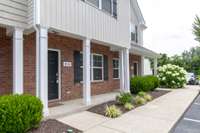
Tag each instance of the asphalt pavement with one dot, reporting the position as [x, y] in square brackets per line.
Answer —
[190, 122]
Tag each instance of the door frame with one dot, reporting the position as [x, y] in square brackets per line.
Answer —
[59, 73]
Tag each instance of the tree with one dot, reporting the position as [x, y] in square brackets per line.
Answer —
[196, 28]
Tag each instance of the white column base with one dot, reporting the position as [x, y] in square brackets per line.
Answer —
[18, 74]
[86, 72]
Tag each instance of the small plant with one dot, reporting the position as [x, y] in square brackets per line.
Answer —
[148, 97]
[139, 100]
[112, 111]
[128, 106]
[144, 95]
[124, 98]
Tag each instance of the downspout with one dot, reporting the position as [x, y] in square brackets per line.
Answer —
[36, 23]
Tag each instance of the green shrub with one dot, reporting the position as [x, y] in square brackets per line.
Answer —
[172, 76]
[144, 95]
[155, 82]
[128, 106]
[124, 98]
[139, 100]
[19, 113]
[143, 83]
[112, 111]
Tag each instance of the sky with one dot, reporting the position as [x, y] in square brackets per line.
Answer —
[169, 25]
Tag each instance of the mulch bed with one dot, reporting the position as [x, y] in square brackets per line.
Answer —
[100, 109]
[53, 126]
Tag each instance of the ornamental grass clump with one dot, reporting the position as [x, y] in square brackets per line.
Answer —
[145, 95]
[138, 100]
[128, 106]
[112, 111]
[172, 76]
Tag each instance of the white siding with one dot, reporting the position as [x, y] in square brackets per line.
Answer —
[13, 12]
[30, 12]
[80, 18]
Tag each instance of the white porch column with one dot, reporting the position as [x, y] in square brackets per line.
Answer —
[18, 61]
[42, 60]
[86, 72]
[121, 70]
[126, 70]
[142, 65]
[155, 65]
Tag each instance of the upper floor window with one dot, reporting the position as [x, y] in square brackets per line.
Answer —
[134, 34]
[109, 6]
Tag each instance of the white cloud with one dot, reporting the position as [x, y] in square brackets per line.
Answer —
[169, 24]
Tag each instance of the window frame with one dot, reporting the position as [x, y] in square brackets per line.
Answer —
[92, 67]
[100, 7]
[118, 68]
[97, 67]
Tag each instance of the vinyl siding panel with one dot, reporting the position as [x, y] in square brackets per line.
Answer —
[30, 12]
[13, 12]
[79, 18]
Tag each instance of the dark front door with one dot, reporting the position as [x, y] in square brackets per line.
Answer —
[53, 75]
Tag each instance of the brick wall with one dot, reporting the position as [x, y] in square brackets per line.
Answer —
[67, 46]
[5, 63]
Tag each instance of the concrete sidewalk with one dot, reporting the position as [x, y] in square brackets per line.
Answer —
[157, 116]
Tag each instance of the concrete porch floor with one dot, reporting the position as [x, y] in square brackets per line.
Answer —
[74, 106]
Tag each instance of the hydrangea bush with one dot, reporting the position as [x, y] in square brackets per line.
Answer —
[172, 76]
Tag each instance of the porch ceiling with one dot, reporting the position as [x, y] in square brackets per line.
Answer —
[140, 50]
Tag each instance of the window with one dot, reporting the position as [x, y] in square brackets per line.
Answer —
[134, 34]
[97, 67]
[109, 6]
[94, 2]
[116, 68]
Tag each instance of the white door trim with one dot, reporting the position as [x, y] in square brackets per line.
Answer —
[59, 73]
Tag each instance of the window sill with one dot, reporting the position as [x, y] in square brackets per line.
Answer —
[116, 78]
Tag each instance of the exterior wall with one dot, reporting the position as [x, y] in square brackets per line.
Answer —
[29, 64]
[13, 12]
[135, 58]
[5, 63]
[79, 18]
[30, 14]
[67, 46]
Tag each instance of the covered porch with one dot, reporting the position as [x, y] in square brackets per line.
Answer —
[29, 65]
[145, 53]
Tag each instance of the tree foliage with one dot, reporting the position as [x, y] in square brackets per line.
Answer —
[196, 28]
[189, 60]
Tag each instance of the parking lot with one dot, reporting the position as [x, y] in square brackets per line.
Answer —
[190, 122]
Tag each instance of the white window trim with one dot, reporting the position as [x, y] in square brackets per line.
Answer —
[116, 68]
[95, 67]
[92, 67]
